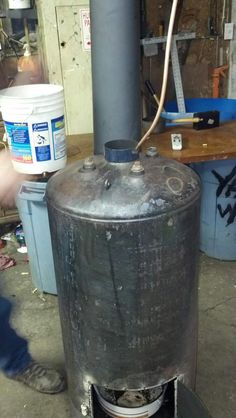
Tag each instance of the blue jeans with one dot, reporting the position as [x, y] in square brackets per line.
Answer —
[14, 354]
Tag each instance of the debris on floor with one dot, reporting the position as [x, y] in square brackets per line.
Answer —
[6, 262]
[16, 237]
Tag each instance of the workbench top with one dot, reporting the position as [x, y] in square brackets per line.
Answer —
[198, 146]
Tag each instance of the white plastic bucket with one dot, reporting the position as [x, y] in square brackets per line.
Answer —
[34, 122]
[115, 411]
[19, 4]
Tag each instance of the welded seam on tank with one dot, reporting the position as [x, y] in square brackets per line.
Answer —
[122, 322]
[191, 203]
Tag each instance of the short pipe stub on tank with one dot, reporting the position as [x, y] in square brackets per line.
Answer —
[121, 151]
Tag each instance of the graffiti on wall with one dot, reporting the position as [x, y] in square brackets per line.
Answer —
[227, 186]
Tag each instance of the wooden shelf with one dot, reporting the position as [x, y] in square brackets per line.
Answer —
[198, 146]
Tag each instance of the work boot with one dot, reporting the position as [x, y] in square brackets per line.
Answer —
[41, 378]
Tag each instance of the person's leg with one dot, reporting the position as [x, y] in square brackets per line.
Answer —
[16, 361]
[14, 354]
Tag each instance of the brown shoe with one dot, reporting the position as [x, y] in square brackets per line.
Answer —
[41, 378]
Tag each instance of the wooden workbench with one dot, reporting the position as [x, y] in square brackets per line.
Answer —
[213, 144]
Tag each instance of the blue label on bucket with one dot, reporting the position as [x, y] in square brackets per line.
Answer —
[41, 141]
[40, 127]
[19, 140]
[58, 134]
[43, 153]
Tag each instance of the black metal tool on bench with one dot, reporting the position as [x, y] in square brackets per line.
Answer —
[200, 120]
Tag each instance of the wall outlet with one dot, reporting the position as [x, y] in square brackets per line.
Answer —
[229, 31]
[176, 141]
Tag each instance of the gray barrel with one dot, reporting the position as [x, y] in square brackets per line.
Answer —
[125, 242]
[115, 31]
[33, 212]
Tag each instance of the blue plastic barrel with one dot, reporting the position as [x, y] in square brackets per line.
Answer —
[218, 209]
[34, 216]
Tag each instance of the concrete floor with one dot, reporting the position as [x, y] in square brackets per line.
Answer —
[38, 320]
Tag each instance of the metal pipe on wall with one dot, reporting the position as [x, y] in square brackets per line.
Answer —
[115, 31]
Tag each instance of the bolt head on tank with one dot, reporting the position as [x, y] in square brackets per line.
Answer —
[89, 164]
[137, 168]
[152, 152]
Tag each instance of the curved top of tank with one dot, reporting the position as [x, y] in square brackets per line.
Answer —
[111, 191]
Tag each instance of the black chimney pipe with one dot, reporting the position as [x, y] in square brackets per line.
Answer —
[115, 30]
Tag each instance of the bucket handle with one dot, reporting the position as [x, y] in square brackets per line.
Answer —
[29, 110]
[28, 193]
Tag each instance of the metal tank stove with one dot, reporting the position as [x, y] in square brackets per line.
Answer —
[125, 241]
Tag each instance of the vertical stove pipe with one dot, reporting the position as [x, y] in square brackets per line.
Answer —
[115, 31]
